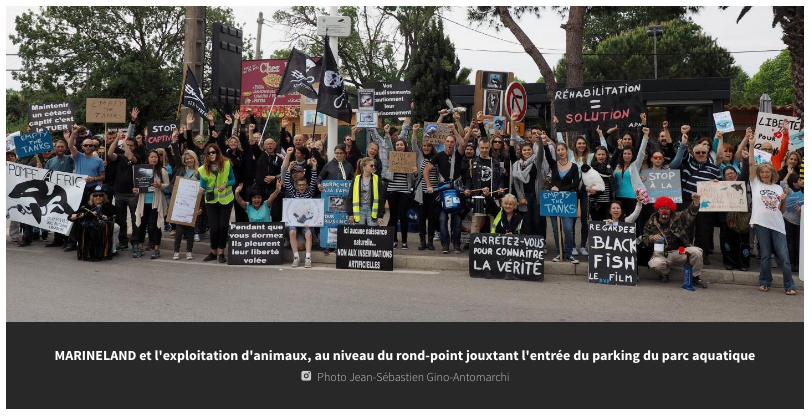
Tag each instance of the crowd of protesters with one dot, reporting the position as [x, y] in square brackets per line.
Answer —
[499, 176]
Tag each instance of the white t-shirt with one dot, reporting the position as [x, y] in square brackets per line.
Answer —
[766, 206]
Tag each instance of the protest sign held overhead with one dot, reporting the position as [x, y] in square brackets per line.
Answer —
[34, 143]
[723, 121]
[193, 95]
[762, 157]
[434, 133]
[365, 248]
[52, 116]
[392, 98]
[335, 212]
[564, 204]
[106, 111]
[722, 196]
[663, 183]
[512, 257]
[255, 243]
[366, 119]
[606, 104]
[10, 140]
[333, 99]
[612, 253]
[159, 134]
[768, 129]
[42, 198]
[797, 140]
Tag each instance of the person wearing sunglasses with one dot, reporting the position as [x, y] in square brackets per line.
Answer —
[85, 163]
[696, 167]
[216, 180]
[97, 208]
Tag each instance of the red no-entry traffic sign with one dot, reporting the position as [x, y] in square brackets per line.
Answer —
[516, 99]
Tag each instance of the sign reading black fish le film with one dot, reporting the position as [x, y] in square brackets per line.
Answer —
[612, 253]
[512, 257]
[255, 243]
[365, 248]
[607, 105]
[392, 98]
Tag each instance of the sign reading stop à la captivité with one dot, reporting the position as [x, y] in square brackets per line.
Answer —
[516, 100]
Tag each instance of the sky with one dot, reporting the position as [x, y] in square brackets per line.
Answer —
[475, 50]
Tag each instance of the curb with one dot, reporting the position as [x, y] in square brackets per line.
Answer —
[439, 262]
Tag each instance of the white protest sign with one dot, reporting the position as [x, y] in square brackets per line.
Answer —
[724, 122]
[768, 129]
[185, 202]
[303, 212]
[42, 198]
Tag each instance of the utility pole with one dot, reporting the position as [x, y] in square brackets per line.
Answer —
[332, 123]
[259, 35]
[656, 31]
[195, 41]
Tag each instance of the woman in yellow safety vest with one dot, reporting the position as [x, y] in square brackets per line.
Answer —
[216, 179]
[366, 204]
[507, 221]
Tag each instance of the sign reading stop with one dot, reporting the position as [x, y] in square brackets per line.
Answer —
[516, 100]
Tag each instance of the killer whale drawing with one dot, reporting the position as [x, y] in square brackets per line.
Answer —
[44, 202]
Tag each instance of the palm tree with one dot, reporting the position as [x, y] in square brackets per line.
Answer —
[791, 19]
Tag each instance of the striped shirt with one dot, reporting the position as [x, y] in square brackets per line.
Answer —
[693, 172]
[292, 192]
[434, 178]
[399, 183]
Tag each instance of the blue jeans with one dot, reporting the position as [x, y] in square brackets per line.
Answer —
[365, 212]
[568, 225]
[770, 240]
[456, 228]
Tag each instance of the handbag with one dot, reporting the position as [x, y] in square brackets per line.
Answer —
[739, 222]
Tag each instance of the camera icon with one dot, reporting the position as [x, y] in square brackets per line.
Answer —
[306, 376]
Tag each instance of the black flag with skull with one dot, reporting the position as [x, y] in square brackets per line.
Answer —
[333, 100]
[300, 74]
[193, 95]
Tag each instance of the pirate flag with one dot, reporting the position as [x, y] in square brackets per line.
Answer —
[193, 95]
[300, 74]
[333, 100]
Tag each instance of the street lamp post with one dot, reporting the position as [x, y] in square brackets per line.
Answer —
[655, 31]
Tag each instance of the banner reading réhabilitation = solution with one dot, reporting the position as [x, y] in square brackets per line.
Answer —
[608, 105]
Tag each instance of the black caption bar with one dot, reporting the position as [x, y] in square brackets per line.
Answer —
[401, 365]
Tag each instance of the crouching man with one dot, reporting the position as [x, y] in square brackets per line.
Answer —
[666, 230]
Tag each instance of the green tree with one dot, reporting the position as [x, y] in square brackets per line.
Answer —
[791, 19]
[683, 51]
[72, 53]
[605, 21]
[434, 68]
[738, 83]
[774, 77]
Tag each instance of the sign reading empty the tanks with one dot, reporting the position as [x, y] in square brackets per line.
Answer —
[607, 105]
[392, 98]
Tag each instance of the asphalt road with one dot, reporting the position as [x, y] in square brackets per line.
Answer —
[45, 284]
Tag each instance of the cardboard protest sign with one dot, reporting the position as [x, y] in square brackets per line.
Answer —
[159, 134]
[335, 212]
[402, 162]
[722, 196]
[34, 143]
[762, 157]
[768, 129]
[564, 204]
[392, 98]
[366, 120]
[365, 248]
[512, 257]
[797, 140]
[434, 133]
[255, 243]
[606, 104]
[106, 111]
[185, 202]
[42, 198]
[612, 253]
[303, 212]
[663, 183]
[724, 122]
[143, 177]
[51, 116]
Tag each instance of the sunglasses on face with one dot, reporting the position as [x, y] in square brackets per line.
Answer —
[212, 153]
[701, 152]
[98, 194]
[88, 145]
[497, 142]
[656, 158]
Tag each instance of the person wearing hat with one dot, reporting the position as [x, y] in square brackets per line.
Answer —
[97, 208]
[257, 211]
[666, 230]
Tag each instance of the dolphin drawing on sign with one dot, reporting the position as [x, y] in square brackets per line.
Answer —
[44, 202]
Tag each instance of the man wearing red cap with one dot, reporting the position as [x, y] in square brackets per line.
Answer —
[666, 230]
